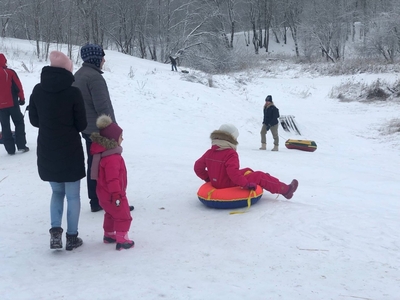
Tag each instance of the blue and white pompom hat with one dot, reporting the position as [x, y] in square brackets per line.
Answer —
[93, 54]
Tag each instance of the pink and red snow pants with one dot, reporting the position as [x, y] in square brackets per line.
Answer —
[267, 182]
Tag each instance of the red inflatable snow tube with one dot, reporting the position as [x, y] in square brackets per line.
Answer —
[234, 197]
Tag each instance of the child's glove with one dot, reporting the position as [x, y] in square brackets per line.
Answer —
[268, 127]
[21, 102]
[250, 186]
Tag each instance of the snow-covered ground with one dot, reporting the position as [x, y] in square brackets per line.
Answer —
[338, 238]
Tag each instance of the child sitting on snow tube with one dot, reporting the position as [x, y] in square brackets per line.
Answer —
[220, 166]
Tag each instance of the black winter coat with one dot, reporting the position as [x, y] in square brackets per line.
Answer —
[271, 115]
[58, 110]
[173, 60]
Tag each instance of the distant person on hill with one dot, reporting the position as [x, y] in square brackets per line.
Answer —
[57, 109]
[108, 168]
[11, 97]
[270, 122]
[173, 63]
[97, 102]
[220, 166]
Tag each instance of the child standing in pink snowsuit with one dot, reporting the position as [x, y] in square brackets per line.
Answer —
[109, 169]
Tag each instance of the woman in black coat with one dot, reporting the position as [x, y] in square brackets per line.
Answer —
[58, 110]
[270, 122]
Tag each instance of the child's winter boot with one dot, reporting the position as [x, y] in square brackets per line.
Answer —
[109, 237]
[73, 242]
[292, 187]
[123, 241]
[263, 146]
[56, 238]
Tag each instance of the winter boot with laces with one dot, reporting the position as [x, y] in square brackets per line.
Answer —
[56, 238]
[292, 187]
[73, 242]
[123, 241]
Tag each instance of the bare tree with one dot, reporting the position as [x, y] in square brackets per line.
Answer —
[384, 35]
[91, 20]
[264, 21]
[326, 23]
[170, 19]
[253, 15]
[7, 12]
[202, 32]
[36, 18]
[292, 11]
[232, 19]
[123, 21]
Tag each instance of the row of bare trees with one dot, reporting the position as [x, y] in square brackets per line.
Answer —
[205, 33]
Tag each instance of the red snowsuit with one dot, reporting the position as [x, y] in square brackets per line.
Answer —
[112, 180]
[221, 168]
[10, 85]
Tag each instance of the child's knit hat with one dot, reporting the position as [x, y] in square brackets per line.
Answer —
[231, 129]
[107, 128]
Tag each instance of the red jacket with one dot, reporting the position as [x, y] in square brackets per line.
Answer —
[10, 85]
[112, 176]
[221, 168]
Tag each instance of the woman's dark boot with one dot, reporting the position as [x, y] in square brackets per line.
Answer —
[56, 238]
[73, 242]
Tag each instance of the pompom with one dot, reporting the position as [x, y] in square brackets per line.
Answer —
[103, 121]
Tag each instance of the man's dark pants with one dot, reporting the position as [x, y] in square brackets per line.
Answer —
[91, 184]
[18, 119]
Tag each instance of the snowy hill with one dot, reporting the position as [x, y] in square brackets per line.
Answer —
[338, 238]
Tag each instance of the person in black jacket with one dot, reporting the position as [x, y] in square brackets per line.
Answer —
[173, 63]
[58, 110]
[270, 122]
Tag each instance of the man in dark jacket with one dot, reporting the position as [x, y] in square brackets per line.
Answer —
[173, 63]
[97, 102]
[11, 96]
[270, 122]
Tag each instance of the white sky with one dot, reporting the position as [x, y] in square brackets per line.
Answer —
[338, 238]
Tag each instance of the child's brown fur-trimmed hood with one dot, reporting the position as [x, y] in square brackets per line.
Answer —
[222, 135]
[103, 141]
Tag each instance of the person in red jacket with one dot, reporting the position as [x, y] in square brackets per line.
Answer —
[220, 166]
[108, 168]
[11, 96]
